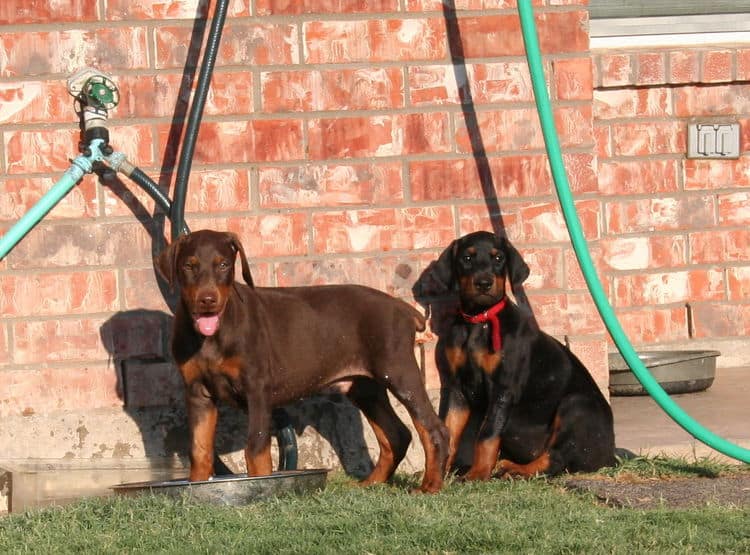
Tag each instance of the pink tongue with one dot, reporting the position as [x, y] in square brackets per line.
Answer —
[207, 325]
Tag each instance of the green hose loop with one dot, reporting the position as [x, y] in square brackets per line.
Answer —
[533, 57]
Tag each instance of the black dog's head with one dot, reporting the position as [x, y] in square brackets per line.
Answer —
[476, 266]
[202, 264]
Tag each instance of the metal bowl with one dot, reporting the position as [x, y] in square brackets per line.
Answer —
[676, 371]
[236, 489]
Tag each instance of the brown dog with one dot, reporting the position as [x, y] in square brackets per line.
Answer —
[262, 347]
[540, 409]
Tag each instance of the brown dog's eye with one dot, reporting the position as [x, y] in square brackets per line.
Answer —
[223, 266]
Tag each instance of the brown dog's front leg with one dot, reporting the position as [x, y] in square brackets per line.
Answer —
[202, 417]
[258, 450]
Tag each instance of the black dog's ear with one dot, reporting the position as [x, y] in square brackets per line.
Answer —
[438, 278]
[518, 270]
[166, 263]
[243, 259]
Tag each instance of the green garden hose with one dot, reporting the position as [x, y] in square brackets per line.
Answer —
[533, 57]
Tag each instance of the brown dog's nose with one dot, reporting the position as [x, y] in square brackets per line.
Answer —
[207, 300]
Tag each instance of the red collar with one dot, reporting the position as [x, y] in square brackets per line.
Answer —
[489, 315]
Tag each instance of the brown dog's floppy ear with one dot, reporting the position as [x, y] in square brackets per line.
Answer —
[243, 259]
[166, 263]
[438, 278]
[518, 270]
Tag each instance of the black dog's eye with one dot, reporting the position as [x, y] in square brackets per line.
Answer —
[466, 258]
[498, 258]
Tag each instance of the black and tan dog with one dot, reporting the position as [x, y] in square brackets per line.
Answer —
[262, 347]
[540, 410]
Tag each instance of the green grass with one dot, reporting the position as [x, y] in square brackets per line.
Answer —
[536, 516]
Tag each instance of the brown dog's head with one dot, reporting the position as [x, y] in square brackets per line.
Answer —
[476, 266]
[202, 264]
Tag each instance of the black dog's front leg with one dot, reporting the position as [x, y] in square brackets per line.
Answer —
[487, 446]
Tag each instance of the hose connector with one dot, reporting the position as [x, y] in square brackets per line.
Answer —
[95, 94]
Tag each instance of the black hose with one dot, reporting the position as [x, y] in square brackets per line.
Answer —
[177, 214]
[148, 185]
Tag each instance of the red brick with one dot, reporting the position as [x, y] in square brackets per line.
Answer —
[717, 66]
[142, 292]
[35, 102]
[743, 64]
[716, 100]
[214, 190]
[282, 234]
[376, 40]
[51, 150]
[644, 139]
[490, 83]
[561, 315]
[738, 283]
[669, 287]
[546, 266]
[437, 5]
[651, 68]
[393, 274]
[343, 89]
[242, 44]
[593, 353]
[63, 245]
[237, 142]
[715, 174]
[30, 53]
[721, 320]
[475, 217]
[48, 390]
[734, 208]
[387, 135]
[544, 222]
[659, 214]
[337, 7]
[603, 140]
[382, 230]
[643, 253]
[123, 10]
[573, 78]
[632, 103]
[574, 277]
[4, 352]
[40, 151]
[60, 340]
[15, 12]
[617, 70]
[331, 185]
[503, 130]
[500, 35]
[652, 325]
[512, 176]
[684, 66]
[638, 177]
[574, 125]
[52, 294]
[17, 196]
[719, 246]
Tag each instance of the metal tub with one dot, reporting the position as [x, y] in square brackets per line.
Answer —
[676, 371]
[237, 489]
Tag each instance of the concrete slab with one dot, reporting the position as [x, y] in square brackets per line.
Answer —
[724, 409]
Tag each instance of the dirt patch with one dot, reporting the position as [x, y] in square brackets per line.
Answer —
[687, 492]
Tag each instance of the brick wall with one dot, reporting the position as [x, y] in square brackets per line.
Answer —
[335, 142]
[342, 143]
[675, 245]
